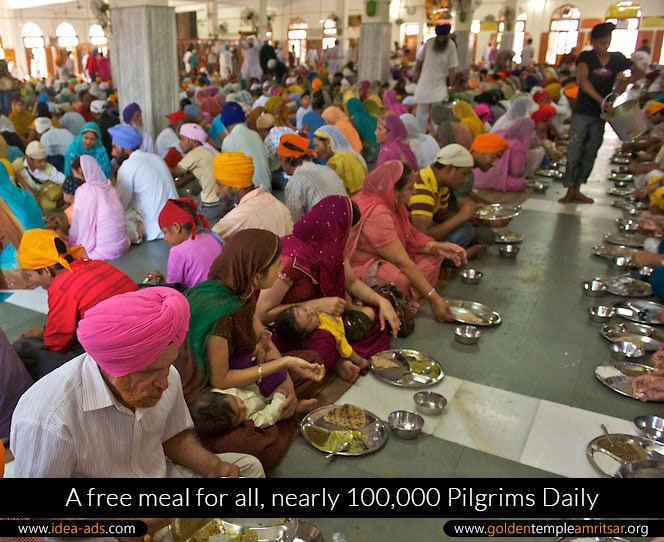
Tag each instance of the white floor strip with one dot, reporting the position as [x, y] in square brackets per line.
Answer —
[36, 300]
[542, 434]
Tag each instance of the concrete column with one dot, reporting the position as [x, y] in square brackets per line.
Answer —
[463, 17]
[144, 60]
[262, 19]
[507, 43]
[376, 44]
[212, 19]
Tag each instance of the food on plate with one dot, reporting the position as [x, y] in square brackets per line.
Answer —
[347, 416]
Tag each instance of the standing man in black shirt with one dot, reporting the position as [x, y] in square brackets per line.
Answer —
[597, 71]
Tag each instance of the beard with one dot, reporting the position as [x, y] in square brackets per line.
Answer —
[440, 46]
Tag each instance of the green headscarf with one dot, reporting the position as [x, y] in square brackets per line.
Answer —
[364, 123]
[208, 302]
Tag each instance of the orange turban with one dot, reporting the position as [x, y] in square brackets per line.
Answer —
[571, 90]
[37, 250]
[294, 146]
[316, 84]
[543, 114]
[234, 169]
[489, 144]
[653, 108]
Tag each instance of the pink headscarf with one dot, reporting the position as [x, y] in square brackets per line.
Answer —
[195, 132]
[483, 111]
[98, 217]
[391, 103]
[124, 341]
[396, 146]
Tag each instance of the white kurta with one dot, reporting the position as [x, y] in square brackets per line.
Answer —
[432, 85]
[251, 66]
[166, 139]
[144, 179]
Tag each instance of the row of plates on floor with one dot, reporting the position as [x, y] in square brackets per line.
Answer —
[349, 430]
[632, 327]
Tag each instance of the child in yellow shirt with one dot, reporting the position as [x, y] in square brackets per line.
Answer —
[296, 323]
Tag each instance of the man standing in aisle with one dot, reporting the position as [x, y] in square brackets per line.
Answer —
[436, 65]
[527, 54]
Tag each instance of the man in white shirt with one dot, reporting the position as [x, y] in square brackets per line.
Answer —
[527, 54]
[436, 67]
[35, 174]
[312, 58]
[118, 410]
[254, 208]
[169, 137]
[55, 140]
[251, 66]
[143, 179]
[242, 139]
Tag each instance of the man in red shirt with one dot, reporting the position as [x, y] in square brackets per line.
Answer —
[74, 285]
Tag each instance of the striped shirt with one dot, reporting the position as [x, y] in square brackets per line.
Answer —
[70, 425]
[428, 197]
[71, 294]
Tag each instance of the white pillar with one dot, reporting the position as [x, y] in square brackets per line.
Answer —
[212, 19]
[262, 19]
[376, 44]
[507, 42]
[463, 18]
[144, 59]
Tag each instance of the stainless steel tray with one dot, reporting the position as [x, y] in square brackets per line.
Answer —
[510, 237]
[634, 240]
[620, 192]
[626, 449]
[609, 252]
[619, 374]
[626, 286]
[645, 337]
[639, 311]
[554, 173]
[475, 314]
[622, 176]
[647, 468]
[498, 211]
[317, 432]
[231, 529]
[619, 160]
[628, 204]
[414, 369]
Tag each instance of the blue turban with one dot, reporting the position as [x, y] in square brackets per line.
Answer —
[192, 111]
[126, 136]
[128, 112]
[232, 114]
[443, 29]
[42, 98]
[660, 97]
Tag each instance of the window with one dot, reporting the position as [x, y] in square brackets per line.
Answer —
[33, 41]
[519, 37]
[66, 34]
[475, 26]
[97, 35]
[564, 32]
[624, 37]
[329, 33]
[297, 40]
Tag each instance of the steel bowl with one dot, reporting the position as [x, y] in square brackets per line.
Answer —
[626, 351]
[467, 334]
[429, 402]
[540, 187]
[652, 426]
[621, 262]
[508, 251]
[627, 224]
[631, 212]
[620, 184]
[594, 288]
[405, 424]
[601, 313]
[471, 276]
[644, 272]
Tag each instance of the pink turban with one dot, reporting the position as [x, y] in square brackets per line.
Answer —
[127, 332]
[195, 132]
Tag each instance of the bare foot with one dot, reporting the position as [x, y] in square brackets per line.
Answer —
[583, 199]
[304, 406]
[570, 197]
[476, 251]
[347, 370]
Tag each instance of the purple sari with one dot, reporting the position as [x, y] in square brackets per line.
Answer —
[396, 146]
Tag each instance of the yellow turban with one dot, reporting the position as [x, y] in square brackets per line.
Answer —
[553, 90]
[37, 250]
[234, 169]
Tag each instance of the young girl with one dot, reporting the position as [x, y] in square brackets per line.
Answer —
[193, 246]
[296, 323]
